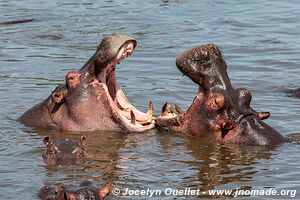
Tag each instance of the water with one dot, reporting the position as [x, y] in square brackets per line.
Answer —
[261, 44]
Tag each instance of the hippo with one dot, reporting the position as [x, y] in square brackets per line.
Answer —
[296, 93]
[63, 152]
[20, 21]
[86, 191]
[91, 99]
[218, 111]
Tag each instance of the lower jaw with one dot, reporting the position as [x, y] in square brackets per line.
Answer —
[123, 107]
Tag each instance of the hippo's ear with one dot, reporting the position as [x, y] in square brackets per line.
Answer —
[60, 192]
[44, 192]
[82, 140]
[105, 190]
[70, 196]
[59, 93]
[47, 140]
[58, 188]
[58, 97]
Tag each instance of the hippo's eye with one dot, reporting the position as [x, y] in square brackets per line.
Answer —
[81, 154]
[51, 152]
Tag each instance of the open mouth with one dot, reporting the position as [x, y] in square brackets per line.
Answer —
[130, 114]
[171, 112]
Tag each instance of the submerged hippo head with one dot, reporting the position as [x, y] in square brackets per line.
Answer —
[91, 99]
[86, 191]
[218, 110]
[296, 92]
[63, 152]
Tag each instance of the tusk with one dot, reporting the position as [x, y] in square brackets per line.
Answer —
[144, 123]
[168, 111]
[178, 109]
[150, 110]
[165, 109]
[173, 110]
[132, 116]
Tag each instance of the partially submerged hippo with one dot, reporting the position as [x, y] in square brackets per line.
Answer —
[86, 191]
[219, 110]
[91, 99]
[20, 21]
[63, 152]
[296, 93]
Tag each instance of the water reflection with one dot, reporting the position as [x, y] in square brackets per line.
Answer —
[35, 56]
[220, 165]
[101, 164]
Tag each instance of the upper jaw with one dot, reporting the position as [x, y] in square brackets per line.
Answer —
[132, 118]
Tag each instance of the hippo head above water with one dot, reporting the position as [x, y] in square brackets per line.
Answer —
[63, 152]
[91, 99]
[219, 110]
[86, 191]
[296, 93]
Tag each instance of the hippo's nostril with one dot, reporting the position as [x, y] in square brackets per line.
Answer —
[224, 132]
[215, 101]
[226, 127]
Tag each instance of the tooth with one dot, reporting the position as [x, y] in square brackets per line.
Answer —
[147, 122]
[173, 110]
[150, 110]
[165, 109]
[132, 116]
[178, 109]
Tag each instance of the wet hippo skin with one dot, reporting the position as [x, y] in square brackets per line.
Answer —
[21, 21]
[63, 152]
[86, 191]
[91, 99]
[218, 111]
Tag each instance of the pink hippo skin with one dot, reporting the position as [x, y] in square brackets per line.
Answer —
[91, 99]
[218, 111]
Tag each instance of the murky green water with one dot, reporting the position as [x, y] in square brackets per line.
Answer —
[261, 44]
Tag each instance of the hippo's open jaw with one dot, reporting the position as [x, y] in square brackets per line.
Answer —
[91, 98]
[118, 100]
[218, 110]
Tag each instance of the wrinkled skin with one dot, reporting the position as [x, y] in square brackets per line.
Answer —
[218, 111]
[63, 152]
[91, 99]
[86, 191]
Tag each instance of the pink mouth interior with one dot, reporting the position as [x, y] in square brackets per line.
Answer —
[120, 99]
